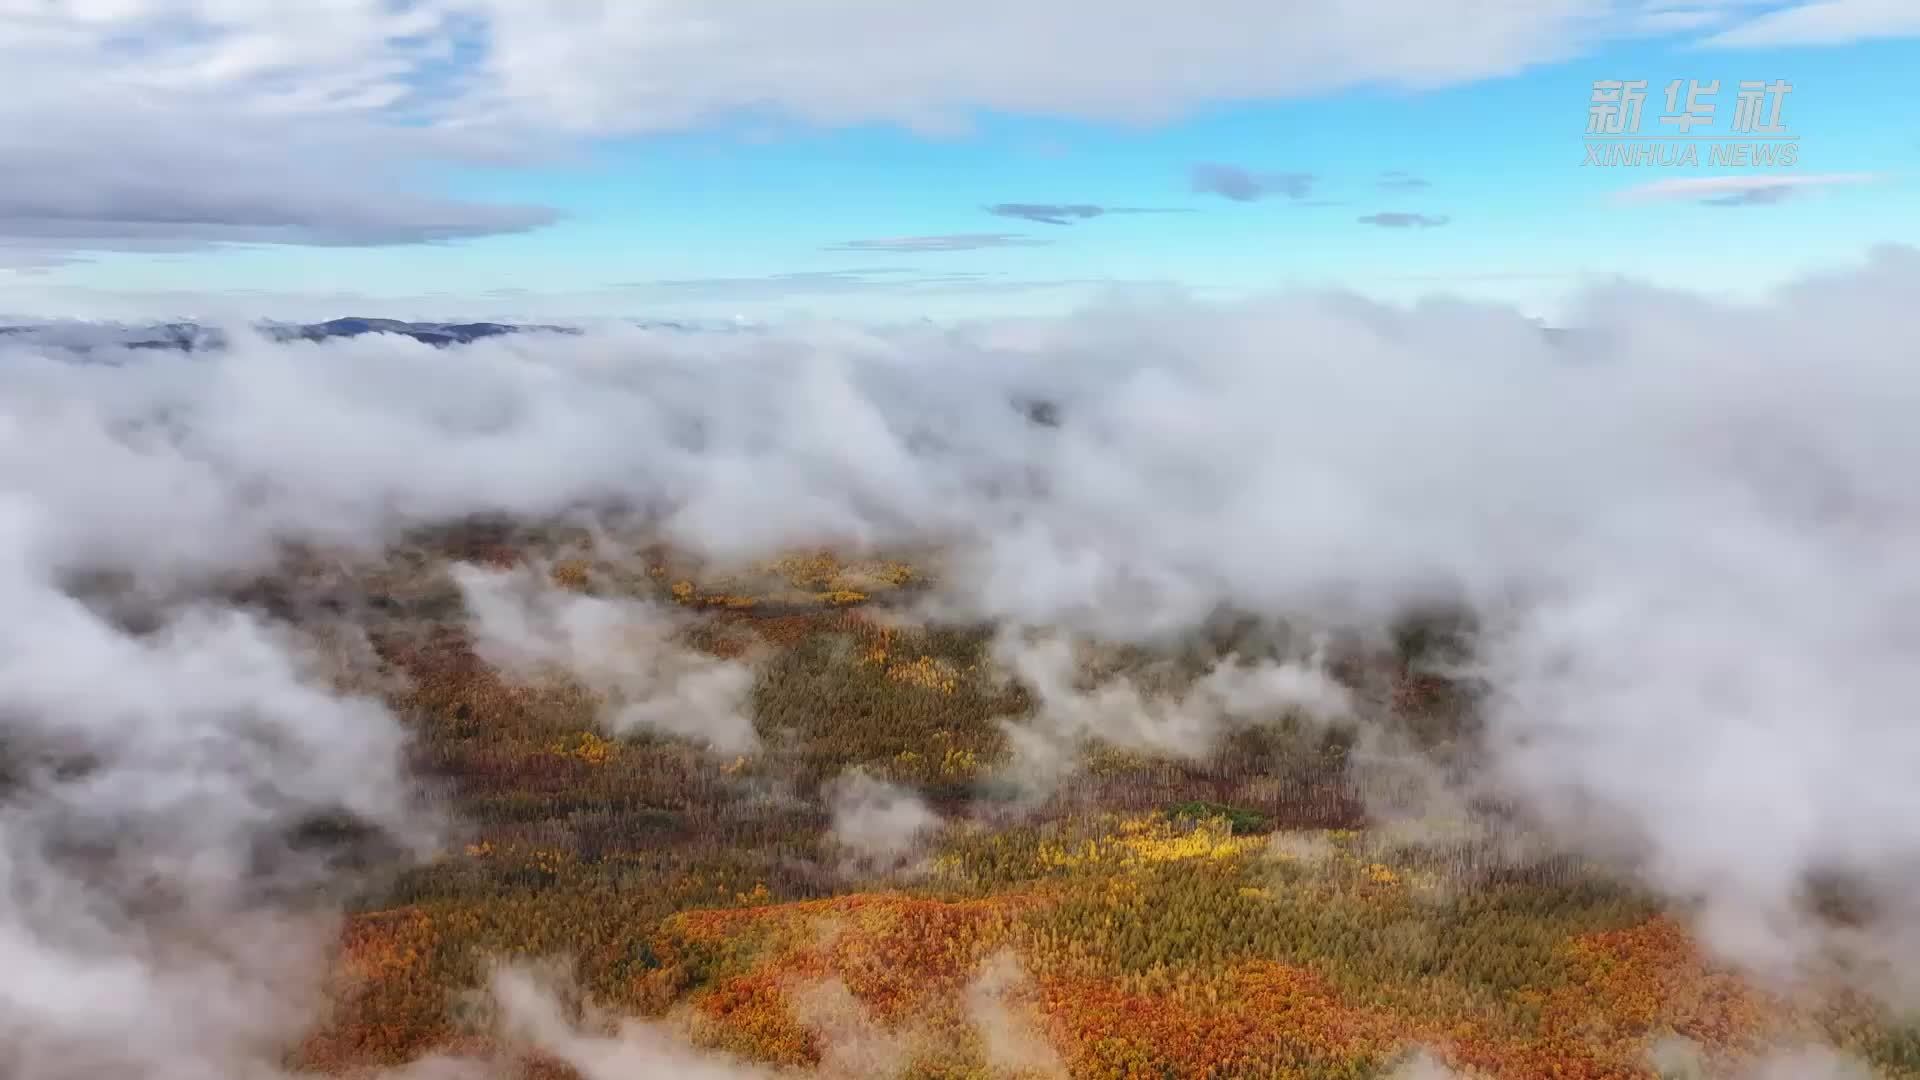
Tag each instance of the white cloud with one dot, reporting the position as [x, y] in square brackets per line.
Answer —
[1000, 1006]
[1189, 723]
[530, 1014]
[1810, 1063]
[881, 824]
[159, 912]
[166, 124]
[671, 62]
[598, 66]
[1424, 1066]
[624, 652]
[1824, 22]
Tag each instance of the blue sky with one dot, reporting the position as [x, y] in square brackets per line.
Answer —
[754, 212]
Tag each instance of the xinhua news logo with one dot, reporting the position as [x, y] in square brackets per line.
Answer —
[1755, 135]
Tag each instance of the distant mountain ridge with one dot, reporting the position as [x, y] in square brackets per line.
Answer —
[429, 333]
[193, 337]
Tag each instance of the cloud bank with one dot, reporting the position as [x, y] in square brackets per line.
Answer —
[1685, 527]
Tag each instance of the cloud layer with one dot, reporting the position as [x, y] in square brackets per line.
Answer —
[1686, 528]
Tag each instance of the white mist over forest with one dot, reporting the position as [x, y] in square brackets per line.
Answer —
[1687, 531]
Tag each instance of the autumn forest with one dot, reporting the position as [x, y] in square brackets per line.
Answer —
[785, 819]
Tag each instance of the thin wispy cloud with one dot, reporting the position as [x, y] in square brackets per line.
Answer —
[1068, 213]
[869, 279]
[1246, 185]
[1679, 20]
[1760, 196]
[1740, 190]
[949, 242]
[1401, 180]
[1402, 219]
[1483, 276]
[21, 256]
